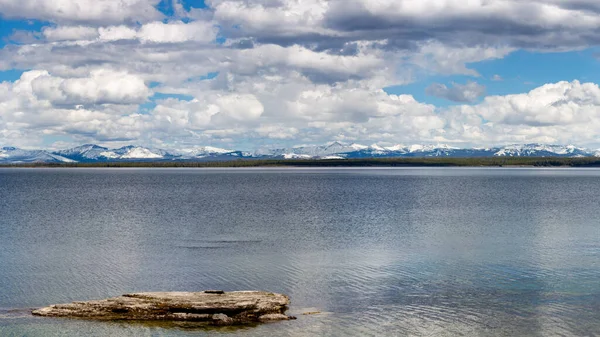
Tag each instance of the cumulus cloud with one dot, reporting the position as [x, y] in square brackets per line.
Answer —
[447, 60]
[207, 112]
[100, 106]
[239, 107]
[561, 103]
[178, 32]
[100, 87]
[65, 33]
[277, 131]
[465, 93]
[320, 67]
[563, 112]
[299, 71]
[152, 32]
[90, 11]
[116, 33]
[529, 24]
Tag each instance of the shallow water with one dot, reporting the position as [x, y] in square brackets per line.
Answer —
[378, 251]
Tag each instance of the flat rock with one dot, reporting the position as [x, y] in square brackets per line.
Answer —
[210, 307]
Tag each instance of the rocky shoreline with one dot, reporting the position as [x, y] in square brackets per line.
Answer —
[210, 307]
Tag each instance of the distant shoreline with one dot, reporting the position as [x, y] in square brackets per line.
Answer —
[366, 162]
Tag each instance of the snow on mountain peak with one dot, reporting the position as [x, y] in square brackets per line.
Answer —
[108, 154]
[397, 148]
[540, 149]
[359, 147]
[296, 156]
[15, 155]
[212, 149]
[205, 150]
[87, 151]
[140, 153]
[416, 148]
[95, 153]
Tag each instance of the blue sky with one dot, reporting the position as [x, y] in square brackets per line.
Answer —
[258, 73]
[521, 71]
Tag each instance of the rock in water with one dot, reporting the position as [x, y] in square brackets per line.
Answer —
[210, 307]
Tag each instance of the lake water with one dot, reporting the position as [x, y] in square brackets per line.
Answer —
[507, 252]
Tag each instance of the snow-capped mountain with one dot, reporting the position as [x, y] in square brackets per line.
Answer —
[12, 155]
[203, 152]
[540, 150]
[337, 149]
[334, 150]
[95, 153]
[313, 151]
[138, 152]
[86, 152]
[420, 150]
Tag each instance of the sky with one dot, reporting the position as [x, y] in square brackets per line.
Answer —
[251, 74]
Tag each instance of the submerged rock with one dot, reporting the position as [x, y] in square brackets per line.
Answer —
[210, 307]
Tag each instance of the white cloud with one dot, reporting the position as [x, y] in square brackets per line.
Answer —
[91, 11]
[208, 111]
[116, 33]
[152, 32]
[239, 107]
[65, 33]
[448, 60]
[543, 24]
[279, 17]
[563, 112]
[302, 112]
[158, 32]
[277, 131]
[291, 70]
[319, 66]
[465, 93]
[561, 103]
[38, 105]
[100, 87]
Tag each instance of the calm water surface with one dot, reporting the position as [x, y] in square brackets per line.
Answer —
[491, 252]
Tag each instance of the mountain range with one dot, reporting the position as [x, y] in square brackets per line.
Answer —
[91, 153]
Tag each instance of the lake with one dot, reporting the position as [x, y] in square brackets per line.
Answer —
[379, 252]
